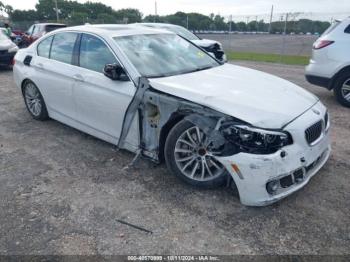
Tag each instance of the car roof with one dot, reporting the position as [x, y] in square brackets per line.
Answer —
[50, 24]
[158, 25]
[114, 30]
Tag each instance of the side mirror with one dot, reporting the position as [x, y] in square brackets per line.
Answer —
[115, 72]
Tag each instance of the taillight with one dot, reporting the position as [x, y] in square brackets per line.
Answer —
[322, 43]
[13, 61]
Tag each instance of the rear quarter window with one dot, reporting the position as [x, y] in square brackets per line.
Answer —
[347, 30]
[44, 47]
[62, 47]
[331, 28]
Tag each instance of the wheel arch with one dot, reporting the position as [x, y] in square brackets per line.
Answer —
[25, 80]
[337, 75]
[165, 130]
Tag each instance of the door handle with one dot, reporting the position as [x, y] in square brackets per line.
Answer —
[78, 78]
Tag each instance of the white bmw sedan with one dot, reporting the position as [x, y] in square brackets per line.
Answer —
[158, 95]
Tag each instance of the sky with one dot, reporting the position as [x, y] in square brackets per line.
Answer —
[222, 7]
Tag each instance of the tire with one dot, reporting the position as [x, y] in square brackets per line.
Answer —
[34, 101]
[182, 143]
[342, 89]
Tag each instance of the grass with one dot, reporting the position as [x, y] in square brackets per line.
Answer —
[272, 58]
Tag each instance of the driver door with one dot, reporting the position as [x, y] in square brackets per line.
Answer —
[100, 102]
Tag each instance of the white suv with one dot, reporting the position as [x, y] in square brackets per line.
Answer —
[330, 63]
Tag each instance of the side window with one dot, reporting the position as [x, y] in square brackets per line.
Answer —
[94, 54]
[347, 30]
[62, 47]
[44, 47]
[36, 30]
[30, 30]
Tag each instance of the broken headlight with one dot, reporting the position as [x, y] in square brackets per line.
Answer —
[256, 140]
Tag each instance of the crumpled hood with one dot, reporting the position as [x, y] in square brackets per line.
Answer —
[204, 42]
[6, 44]
[258, 98]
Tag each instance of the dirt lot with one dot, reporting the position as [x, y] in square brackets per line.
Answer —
[61, 192]
[270, 44]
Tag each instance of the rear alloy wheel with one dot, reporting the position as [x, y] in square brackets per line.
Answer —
[342, 90]
[189, 156]
[34, 101]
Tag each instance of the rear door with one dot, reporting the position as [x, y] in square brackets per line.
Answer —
[55, 73]
[101, 102]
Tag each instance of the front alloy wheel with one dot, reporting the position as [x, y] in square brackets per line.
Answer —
[189, 156]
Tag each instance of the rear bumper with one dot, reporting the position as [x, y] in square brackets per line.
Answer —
[319, 81]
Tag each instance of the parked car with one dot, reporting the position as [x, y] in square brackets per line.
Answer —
[15, 37]
[8, 50]
[211, 46]
[38, 30]
[330, 62]
[158, 95]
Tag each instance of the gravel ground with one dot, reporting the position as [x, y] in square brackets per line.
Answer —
[62, 191]
[267, 44]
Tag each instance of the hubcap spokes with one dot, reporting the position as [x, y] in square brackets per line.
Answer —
[346, 90]
[32, 97]
[194, 158]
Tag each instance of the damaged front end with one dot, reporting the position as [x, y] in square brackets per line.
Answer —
[253, 157]
[158, 112]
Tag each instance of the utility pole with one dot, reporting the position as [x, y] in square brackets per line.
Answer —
[230, 23]
[284, 37]
[187, 21]
[285, 24]
[256, 24]
[270, 25]
[56, 8]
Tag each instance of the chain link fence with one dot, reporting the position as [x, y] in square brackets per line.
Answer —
[284, 34]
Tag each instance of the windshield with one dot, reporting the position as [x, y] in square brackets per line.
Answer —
[160, 55]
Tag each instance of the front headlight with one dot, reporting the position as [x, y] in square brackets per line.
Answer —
[256, 140]
[13, 49]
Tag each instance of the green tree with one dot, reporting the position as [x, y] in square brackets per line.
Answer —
[96, 9]
[129, 15]
[241, 26]
[77, 18]
[154, 19]
[24, 15]
[232, 25]
[219, 22]
[252, 26]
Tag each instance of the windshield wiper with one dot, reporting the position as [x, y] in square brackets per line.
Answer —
[179, 73]
[157, 76]
[198, 69]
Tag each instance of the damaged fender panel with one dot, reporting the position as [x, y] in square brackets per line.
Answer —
[156, 109]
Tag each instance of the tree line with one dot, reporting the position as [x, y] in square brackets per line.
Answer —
[74, 13]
